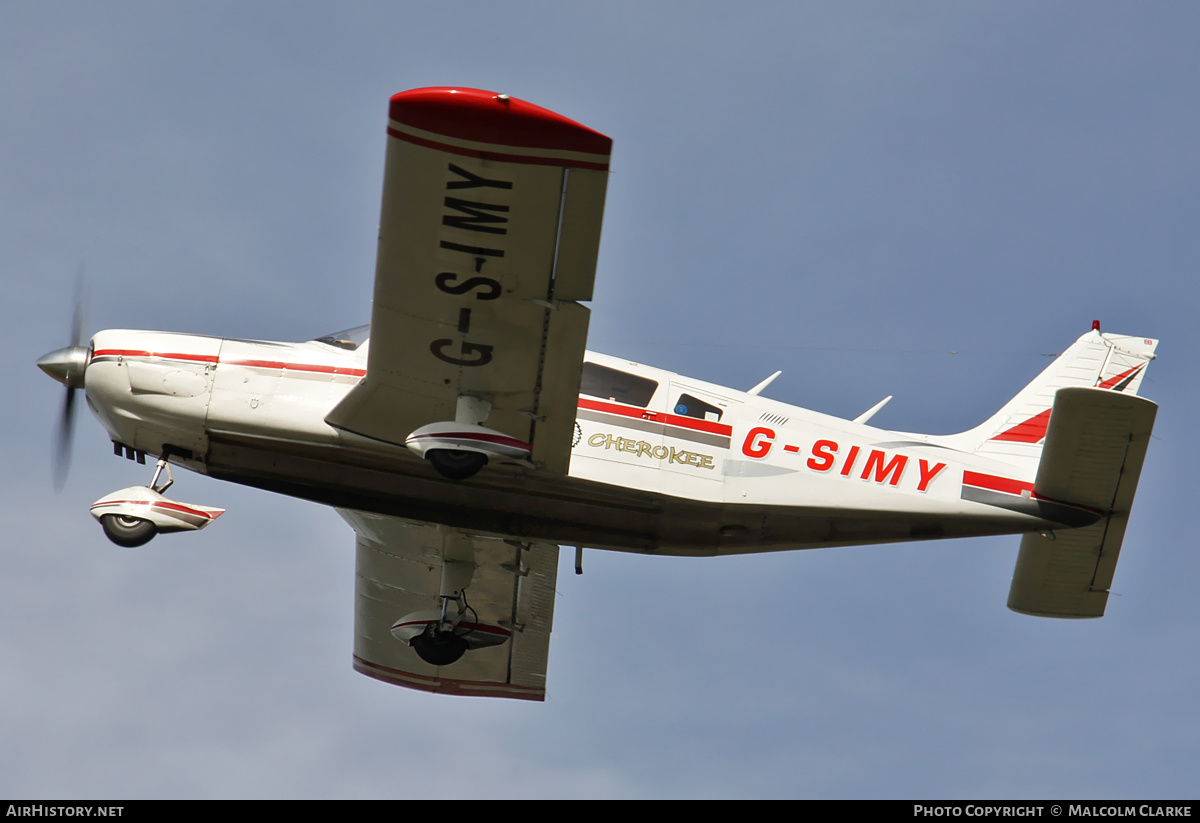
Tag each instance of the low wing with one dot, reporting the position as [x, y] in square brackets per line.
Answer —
[398, 572]
[488, 239]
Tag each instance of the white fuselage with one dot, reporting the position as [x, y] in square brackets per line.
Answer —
[683, 467]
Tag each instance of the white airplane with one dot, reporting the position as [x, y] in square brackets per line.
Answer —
[466, 434]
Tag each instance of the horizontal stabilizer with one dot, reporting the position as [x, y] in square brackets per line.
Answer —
[1095, 445]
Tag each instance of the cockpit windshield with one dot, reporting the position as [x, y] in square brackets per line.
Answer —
[350, 339]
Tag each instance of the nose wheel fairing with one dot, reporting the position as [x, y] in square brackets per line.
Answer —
[130, 507]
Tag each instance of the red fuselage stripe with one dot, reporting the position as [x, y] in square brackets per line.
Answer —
[253, 364]
[283, 365]
[280, 364]
[1015, 487]
[657, 417]
[996, 484]
[191, 358]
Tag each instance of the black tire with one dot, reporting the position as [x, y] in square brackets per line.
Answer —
[454, 464]
[438, 648]
[128, 531]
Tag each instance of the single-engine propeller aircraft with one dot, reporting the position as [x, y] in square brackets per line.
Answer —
[466, 434]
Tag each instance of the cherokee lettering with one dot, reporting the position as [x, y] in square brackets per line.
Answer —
[640, 448]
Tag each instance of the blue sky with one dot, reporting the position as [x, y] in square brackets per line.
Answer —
[848, 192]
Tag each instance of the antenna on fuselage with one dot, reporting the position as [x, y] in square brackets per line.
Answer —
[764, 383]
[869, 413]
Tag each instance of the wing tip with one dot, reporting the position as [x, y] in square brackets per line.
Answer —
[475, 114]
[441, 685]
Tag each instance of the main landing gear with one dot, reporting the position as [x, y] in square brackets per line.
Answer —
[133, 516]
[441, 636]
[454, 464]
[458, 450]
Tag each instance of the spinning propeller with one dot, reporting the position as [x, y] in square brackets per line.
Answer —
[67, 366]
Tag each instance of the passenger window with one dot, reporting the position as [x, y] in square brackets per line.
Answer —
[688, 406]
[610, 384]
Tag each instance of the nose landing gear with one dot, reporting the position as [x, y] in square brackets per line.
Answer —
[133, 516]
[127, 531]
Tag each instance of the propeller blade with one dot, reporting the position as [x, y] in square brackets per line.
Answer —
[62, 441]
[79, 310]
[67, 366]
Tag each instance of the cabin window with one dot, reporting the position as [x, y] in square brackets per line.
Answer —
[688, 406]
[618, 386]
[350, 339]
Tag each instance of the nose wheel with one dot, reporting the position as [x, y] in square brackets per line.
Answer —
[132, 517]
[126, 531]
[131, 532]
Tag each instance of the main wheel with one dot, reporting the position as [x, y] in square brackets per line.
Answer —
[454, 464]
[128, 531]
[438, 648]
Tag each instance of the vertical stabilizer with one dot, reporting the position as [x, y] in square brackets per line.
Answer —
[1017, 432]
